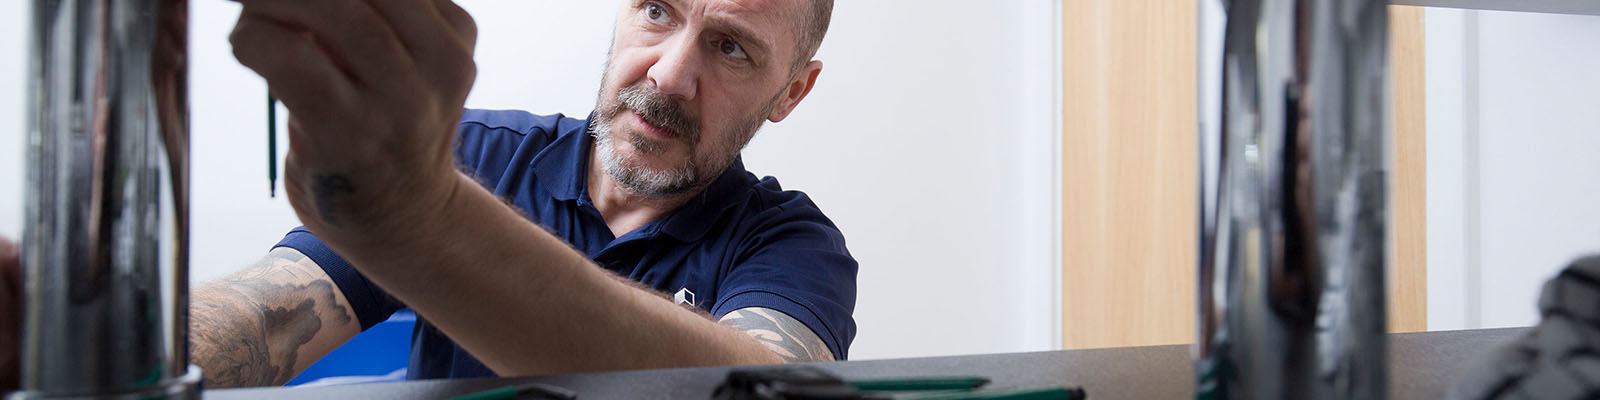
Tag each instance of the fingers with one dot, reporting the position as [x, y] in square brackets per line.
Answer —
[298, 71]
[421, 27]
[389, 47]
[467, 33]
[10, 312]
[459, 20]
[10, 260]
[359, 41]
[438, 35]
[10, 274]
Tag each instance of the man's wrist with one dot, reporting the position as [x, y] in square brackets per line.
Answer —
[344, 212]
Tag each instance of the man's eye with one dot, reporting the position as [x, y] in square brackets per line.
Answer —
[655, 12]
[732, 49]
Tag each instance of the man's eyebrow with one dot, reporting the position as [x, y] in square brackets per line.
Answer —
[745, 36]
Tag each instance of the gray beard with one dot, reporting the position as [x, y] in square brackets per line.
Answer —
[662, 183]
[639, 180]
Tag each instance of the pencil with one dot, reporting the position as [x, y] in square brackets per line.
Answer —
[272, 145]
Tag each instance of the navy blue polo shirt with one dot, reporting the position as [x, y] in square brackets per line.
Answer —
[743, 242]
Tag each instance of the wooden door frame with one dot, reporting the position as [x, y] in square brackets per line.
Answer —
[1128, 182]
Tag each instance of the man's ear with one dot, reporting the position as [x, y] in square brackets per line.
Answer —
[796, 91]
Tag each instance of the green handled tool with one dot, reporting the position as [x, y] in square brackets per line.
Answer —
[272, 145]
[540, 390]
[920, 384]
[1039, 393]
[958, 388]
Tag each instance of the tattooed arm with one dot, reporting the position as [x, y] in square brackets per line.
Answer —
[263, 325]
[785, 336]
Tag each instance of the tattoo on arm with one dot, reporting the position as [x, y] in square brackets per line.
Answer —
[248, 329]
[324, 189]
[790, 339]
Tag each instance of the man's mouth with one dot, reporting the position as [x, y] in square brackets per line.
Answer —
[652, 129]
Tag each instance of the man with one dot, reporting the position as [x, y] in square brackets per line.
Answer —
[533, 244]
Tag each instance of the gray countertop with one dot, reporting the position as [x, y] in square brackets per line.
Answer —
[1423, 366]
[1575, 7]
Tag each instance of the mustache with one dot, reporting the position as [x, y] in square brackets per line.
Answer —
[660, 110]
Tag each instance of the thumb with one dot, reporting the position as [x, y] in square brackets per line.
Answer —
[10, 266]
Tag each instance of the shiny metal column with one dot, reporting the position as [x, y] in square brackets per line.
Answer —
[105, 245]
[1294, 205]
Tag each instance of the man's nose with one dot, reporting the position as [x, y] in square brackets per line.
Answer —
[677, 71]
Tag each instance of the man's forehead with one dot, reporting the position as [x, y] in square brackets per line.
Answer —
[763, 24]
[767, 8]
[755, 13]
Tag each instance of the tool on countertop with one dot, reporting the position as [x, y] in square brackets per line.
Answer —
[529, 390]
[811, 383]
[920, 384]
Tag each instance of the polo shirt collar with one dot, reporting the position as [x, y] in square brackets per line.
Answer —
[694, 218]
[562, 171]
[560, 168]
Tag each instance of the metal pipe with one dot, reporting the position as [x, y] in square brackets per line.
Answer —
[1294, 205]
[105, 244]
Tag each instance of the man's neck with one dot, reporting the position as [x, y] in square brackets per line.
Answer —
[623, 210]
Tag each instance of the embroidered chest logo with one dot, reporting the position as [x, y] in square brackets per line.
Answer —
[684, 296]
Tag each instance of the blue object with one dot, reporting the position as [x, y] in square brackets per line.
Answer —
[379, 350]
[743, 242]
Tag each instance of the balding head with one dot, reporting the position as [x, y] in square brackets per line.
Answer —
[813, 26]
[689, 82]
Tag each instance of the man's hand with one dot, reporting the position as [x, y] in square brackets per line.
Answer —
[374, 89]
[10, 313]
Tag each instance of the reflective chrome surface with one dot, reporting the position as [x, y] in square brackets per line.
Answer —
[1294, 204]
[105, 242]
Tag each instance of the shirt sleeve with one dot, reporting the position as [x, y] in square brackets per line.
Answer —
[799, 267]
[490, 142]
[371, 304]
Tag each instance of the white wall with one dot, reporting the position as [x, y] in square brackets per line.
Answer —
[13, 56]
[922, 141]
[1513, 160]
[928, 142]
[1446, 166]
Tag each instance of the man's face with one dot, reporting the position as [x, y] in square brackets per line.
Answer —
[687, 85]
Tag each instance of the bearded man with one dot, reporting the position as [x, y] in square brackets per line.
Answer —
[532, 244]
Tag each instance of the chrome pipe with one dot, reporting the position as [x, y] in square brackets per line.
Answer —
[1294, 204]
[105, 242]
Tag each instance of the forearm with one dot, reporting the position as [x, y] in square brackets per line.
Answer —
[230, 344]
[524, 302]
[263, 325]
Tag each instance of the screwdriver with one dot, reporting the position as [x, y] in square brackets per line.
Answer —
[272, 145]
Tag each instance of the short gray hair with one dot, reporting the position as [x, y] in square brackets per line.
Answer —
[813, 26]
